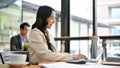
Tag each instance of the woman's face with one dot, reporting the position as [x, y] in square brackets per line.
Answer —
[51, 19]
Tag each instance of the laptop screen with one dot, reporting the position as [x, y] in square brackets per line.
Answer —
[97, 58]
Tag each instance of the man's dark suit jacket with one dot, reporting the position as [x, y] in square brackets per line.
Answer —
[16, 43]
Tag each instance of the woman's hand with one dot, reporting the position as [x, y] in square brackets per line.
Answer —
[79, 56]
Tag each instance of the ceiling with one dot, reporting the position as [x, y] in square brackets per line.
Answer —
[6, 3]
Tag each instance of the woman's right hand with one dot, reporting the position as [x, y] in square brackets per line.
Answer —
[79, 56]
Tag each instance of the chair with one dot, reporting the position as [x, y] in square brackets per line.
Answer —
[5, 55]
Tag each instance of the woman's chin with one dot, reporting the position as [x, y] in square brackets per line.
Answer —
[49, 27]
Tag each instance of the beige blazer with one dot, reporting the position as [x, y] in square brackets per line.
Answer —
[39, 51]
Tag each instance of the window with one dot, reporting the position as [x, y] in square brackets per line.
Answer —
[80, 20]
[114, 12]
[10, 18]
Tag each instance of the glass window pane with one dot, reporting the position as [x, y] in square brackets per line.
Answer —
[80, 21]
[114, 12]
[10, 18]
[110, 18]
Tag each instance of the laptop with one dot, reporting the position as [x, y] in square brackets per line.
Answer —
[83, 61]
[111, 60]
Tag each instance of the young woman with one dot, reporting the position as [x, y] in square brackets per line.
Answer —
[41, 43]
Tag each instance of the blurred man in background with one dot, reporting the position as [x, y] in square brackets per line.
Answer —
[17, 42]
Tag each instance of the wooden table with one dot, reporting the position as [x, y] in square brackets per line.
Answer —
[22, 66]
[19, 66]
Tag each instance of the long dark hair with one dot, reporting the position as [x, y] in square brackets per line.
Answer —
[41, 23]
[41, 18]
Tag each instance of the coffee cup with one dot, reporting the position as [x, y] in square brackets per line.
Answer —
[17, 58]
